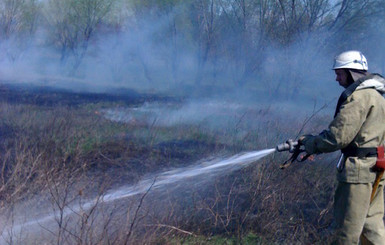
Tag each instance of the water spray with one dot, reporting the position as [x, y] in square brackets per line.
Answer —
[207, 168]
[212, 168]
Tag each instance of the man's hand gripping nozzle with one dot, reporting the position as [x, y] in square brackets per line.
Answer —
[294, 147]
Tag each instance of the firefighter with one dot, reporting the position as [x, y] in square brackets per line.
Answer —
[358, 129]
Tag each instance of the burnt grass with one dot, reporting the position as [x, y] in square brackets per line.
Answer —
[122, 150]
[65, 136]
[51, 96]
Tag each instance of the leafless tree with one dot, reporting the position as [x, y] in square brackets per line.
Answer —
[17, 16]
[72, 24]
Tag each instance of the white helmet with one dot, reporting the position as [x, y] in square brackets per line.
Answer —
[350, 60]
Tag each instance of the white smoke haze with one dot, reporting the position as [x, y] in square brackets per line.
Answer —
[294, 78]
[140, 58]
[210, 113]
[161, 114]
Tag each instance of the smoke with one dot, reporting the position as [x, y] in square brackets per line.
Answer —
[213, 114]
[157, 54]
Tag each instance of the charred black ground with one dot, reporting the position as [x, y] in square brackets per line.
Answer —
[53, 96]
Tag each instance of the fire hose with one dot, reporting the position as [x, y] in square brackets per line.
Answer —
[295, 147]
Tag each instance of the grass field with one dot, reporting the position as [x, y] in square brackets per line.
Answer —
[62, 153]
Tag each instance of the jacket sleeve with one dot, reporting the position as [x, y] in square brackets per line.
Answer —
[343, 129]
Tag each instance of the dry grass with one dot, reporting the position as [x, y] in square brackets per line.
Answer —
[66, 155]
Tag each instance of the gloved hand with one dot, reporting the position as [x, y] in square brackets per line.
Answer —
[308, 141]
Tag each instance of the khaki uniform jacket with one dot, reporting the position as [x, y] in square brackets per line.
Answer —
[360, 122]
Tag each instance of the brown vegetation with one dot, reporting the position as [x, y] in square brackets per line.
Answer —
[59, 158]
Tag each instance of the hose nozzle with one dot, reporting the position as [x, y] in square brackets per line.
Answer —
[290, 145]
